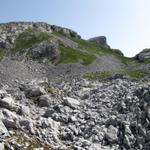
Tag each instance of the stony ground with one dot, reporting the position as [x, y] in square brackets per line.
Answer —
[75, 114]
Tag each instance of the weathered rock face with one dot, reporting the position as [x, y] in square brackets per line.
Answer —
[100, 40]
[10, 31]
[144, 55]
[44, 51]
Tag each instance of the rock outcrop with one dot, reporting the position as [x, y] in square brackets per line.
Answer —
[44, 51]
[10, 31]
[100, 40]
[144, 55]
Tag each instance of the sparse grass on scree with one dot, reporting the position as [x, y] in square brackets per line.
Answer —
[69, 55]
[106, 74]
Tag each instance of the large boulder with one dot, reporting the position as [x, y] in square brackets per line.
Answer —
[3, 45]
[144, 55]
[44, 100]
[100, 40]
[6, 101]
[71, 102]
[112, 134]
[34, 91]
[44, 51]
[3, 130]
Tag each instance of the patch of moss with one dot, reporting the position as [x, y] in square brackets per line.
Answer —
[147, 61]
[28, 38]
[70, 55]
[106, 74]
[35, 98]
[50, 90]
[3, 52]
[134, 73]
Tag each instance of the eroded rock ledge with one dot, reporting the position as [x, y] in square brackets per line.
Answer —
[10, 31]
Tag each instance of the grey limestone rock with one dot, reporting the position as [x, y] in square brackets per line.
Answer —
[45, 100]
[3, 131]
[144, 55]
[100, 40]
[6, 101]
[10, 31]
[71, 102]
[2, 146]
[44, 51]
[112, 134]
[34, 91]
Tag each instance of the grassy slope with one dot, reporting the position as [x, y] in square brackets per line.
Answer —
[85, 54]
[3, 52]
[106, 74]
[69, 55]
[100, 50]
[93, 48]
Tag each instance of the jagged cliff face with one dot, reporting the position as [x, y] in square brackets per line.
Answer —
[10, 31]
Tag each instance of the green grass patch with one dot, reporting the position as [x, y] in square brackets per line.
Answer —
[51, 90]
[106, 74]
[34, 98]
[146, 61]
[59, 33]
[69, 55]
[93, 48]
[89, 46]
[101, 50]
[28, 38]
[3, 53]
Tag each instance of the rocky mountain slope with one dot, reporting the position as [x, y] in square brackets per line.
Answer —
[61, 92]
[34, 49]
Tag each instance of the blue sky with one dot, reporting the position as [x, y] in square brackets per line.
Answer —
[125, 23]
